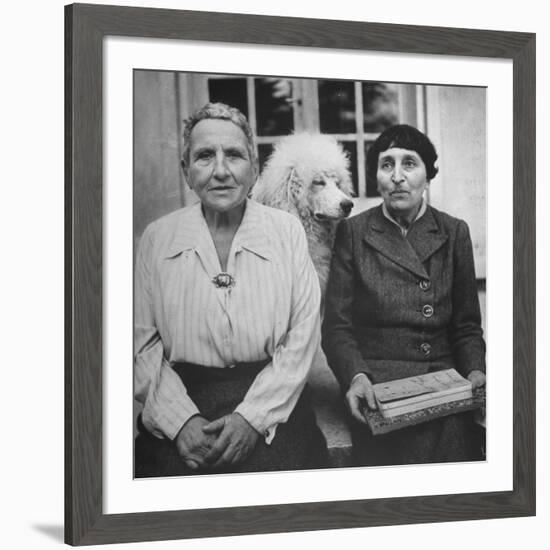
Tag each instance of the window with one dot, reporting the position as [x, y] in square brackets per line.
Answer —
[354, 112]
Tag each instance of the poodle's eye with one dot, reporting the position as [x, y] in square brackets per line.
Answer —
[319, 182]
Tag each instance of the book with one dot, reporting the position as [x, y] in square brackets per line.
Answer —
[380, 425]
[413, 394]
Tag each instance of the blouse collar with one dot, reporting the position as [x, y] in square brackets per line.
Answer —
[192, 232]
[404, 230]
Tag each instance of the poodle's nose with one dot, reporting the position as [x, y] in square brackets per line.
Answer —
[346, 206]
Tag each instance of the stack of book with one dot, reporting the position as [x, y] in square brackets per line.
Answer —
[416, 393]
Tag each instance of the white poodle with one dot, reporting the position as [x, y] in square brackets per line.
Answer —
[308, 176]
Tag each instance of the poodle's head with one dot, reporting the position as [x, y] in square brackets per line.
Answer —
[311, 173]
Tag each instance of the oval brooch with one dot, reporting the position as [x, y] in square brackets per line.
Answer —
[223, 280]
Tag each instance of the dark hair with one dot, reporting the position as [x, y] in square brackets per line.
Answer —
[404, 137]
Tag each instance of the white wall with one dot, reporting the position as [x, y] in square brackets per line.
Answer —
[457, 126]
[32, 275]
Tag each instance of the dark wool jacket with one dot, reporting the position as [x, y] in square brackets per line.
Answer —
[402, 306]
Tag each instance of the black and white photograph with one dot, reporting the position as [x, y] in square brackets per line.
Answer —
[275, 275]
[309, 273]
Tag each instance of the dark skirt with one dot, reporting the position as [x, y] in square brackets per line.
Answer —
[454, 438]
[298, 444]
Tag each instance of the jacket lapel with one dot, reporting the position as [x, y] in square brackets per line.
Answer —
[426, 236]
[423, 239]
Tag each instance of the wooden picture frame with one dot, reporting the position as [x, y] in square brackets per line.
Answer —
[85, 28]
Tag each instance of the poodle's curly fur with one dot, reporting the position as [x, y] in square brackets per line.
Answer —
[308, 176]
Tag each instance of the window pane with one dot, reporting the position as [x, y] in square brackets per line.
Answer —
[264, 150]
[231, 91]
[336, 106]
[380, 106]
[274, 111]
[371, 182]
[351, 148]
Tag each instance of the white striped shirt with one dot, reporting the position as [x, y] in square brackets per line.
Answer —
[180, 316]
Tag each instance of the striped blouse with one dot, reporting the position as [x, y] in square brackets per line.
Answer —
[272, 311]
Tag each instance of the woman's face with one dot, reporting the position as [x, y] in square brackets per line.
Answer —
[402, 180]
[220, 169]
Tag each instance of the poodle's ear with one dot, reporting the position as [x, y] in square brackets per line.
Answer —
[291, 176]
[294, 184]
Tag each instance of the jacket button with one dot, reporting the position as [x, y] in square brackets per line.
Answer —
[425, 284]
[427, 310]
[426, 348]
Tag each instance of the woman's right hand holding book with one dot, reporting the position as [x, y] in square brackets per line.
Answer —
[360, 392]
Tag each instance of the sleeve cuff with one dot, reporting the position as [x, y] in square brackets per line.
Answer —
[361, 374]
[168, 421]
[267, 432]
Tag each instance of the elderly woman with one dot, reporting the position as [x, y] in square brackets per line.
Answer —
[226, 320]
[402, 301]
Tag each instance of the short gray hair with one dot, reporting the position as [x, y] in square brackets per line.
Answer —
[219, 111]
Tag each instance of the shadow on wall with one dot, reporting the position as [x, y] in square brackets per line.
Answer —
[55, 532]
